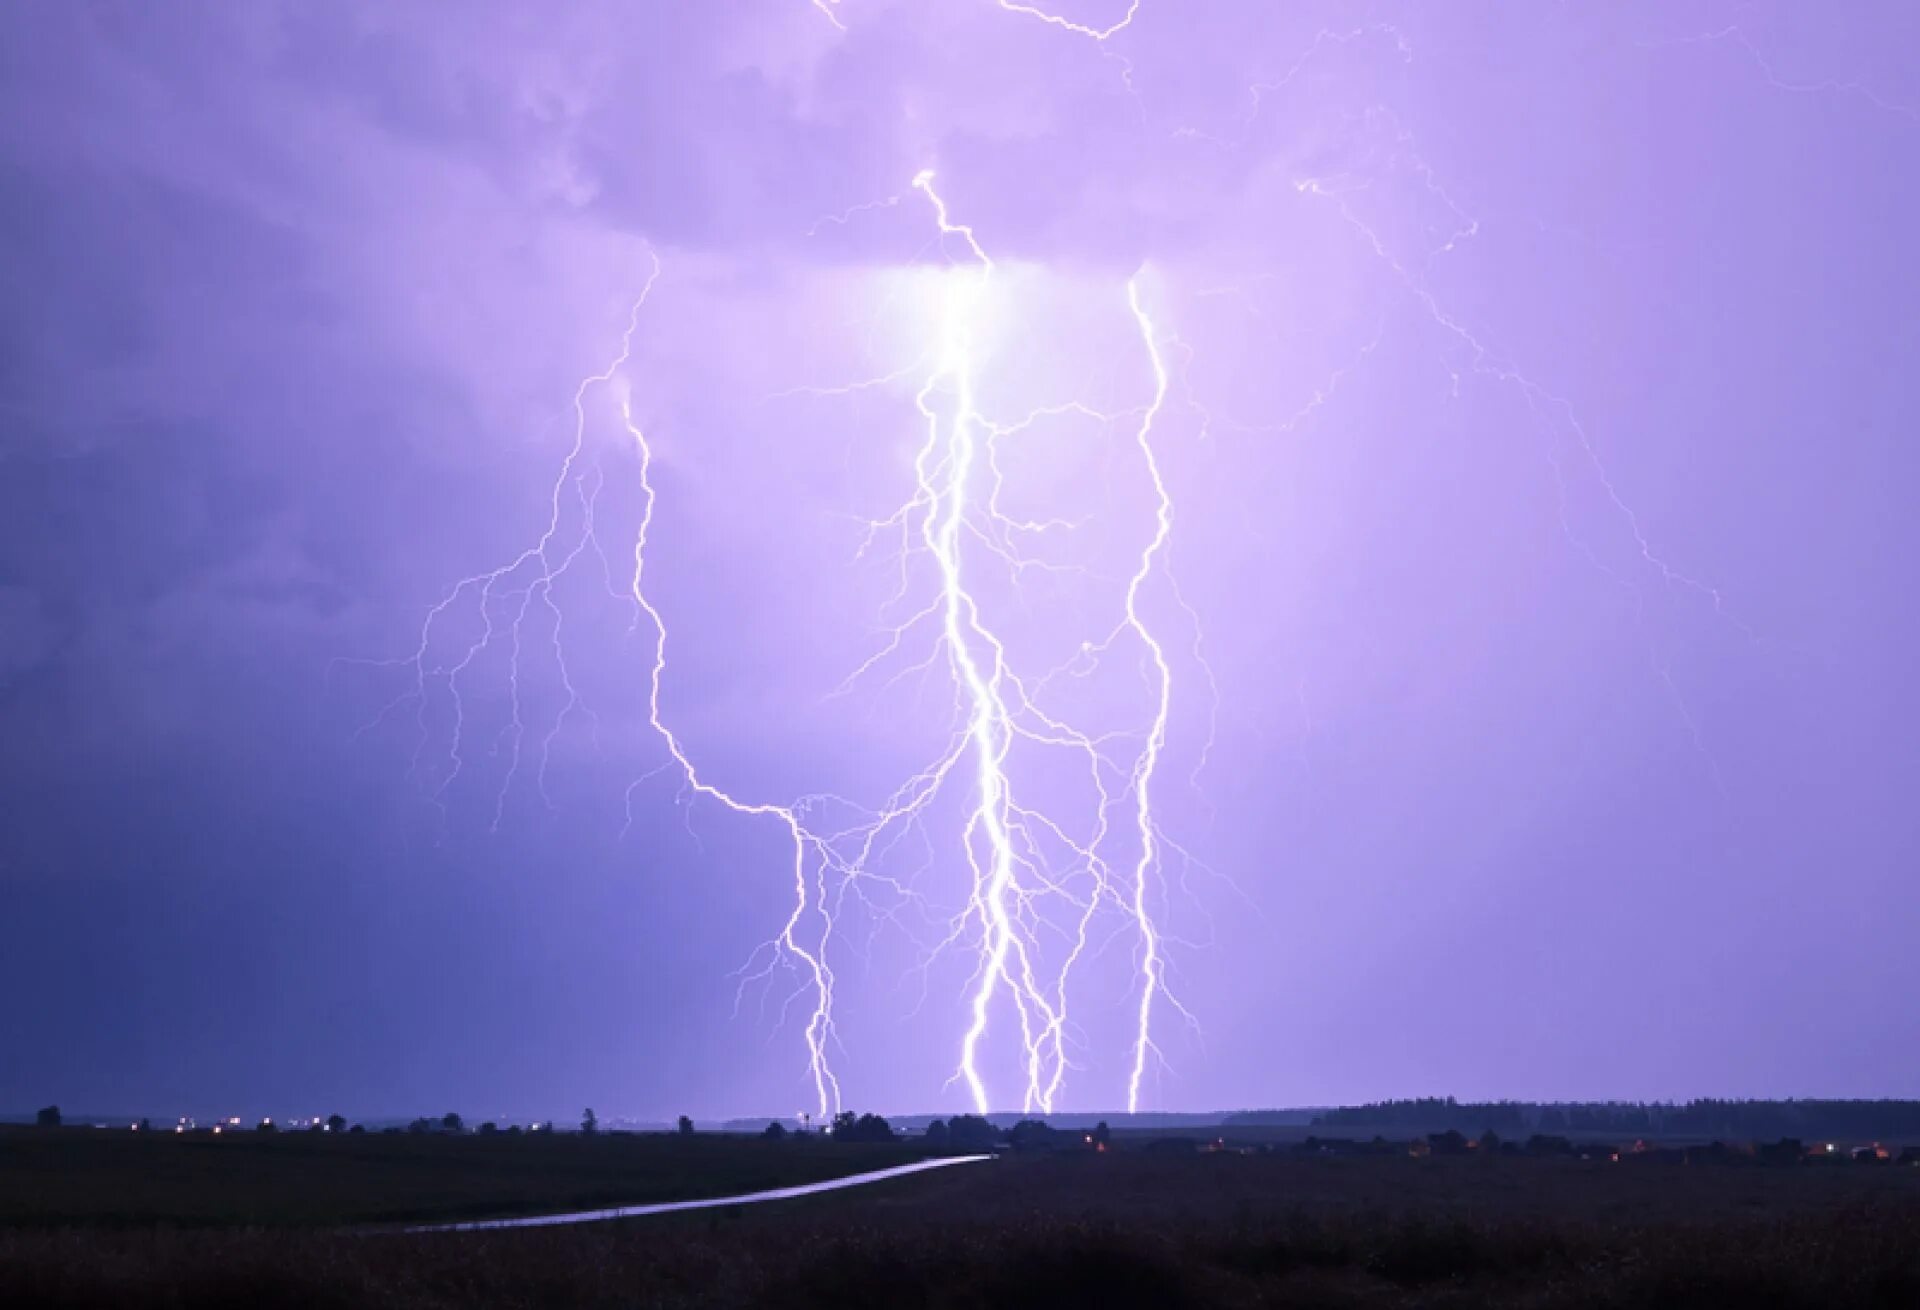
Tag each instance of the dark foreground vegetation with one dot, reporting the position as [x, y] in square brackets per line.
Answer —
[1115, 1229]
[125, 1179]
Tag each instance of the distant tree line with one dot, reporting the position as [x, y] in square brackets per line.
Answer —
[963, 1132]
[1750, 1120]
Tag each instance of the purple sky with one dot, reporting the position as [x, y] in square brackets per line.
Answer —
[1537, 435]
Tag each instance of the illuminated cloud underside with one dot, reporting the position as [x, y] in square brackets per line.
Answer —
[1038, 886]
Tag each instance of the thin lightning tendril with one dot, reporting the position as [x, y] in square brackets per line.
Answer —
[1078, 29]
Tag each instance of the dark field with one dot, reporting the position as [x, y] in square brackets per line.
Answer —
[1115, 1230]
[123, 1179]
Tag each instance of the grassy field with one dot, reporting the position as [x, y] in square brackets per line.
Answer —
[124, 1179]
[1117, 1230]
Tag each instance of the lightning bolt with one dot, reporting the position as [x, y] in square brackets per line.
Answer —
[1042, 889]
[1078, 29]
[808, 850]
[827, 7]
[1045, 892]
[1001, 708]
[1736, 35]
[1152, 966]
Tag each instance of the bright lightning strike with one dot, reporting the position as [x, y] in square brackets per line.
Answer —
[1000, 710]
[827, 7]
[1078, 29]
[1046, 888]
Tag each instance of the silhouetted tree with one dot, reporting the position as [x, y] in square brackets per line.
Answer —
[1788, 1150]
[146, 1125]
[589, 1122]
[686, 1126]
[1447, 1143]
[489, 1128]
[452, 1123]
[336, 1123]
[850, 1127]
[48, 1118]
[358, 1128]
[1102, 1134]
[1031, 1135]
[775, 1131]
[936, 1134]
[970, 1132]
[421, 1125]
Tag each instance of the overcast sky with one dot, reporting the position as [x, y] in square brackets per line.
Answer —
[1537, 602]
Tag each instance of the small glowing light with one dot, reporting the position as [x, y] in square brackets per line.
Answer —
[216, 1130]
